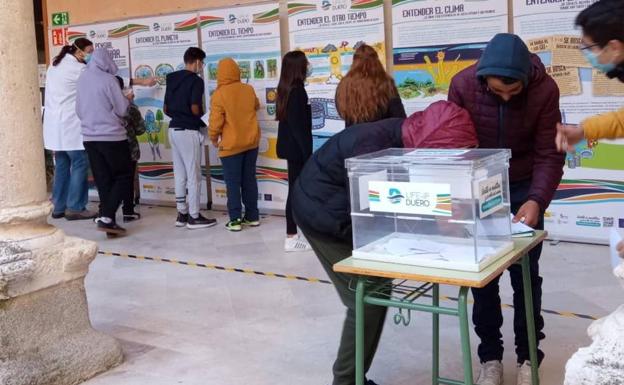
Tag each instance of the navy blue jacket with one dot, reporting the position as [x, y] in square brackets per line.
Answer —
[321, 194]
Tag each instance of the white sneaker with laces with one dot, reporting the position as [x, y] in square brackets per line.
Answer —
[491, 373]
[295, 244]
[524, 374]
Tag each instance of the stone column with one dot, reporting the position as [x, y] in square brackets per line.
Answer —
[601, 363]
[45, 333]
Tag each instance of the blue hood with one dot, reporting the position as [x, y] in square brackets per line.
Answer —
[506, 55]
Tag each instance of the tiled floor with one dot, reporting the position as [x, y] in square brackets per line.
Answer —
[188, 325]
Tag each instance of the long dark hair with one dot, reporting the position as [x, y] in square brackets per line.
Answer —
[80, 43]
[294, 70]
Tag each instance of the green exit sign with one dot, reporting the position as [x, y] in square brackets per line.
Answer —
[60, 18]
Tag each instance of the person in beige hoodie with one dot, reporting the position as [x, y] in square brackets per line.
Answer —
[234, 130]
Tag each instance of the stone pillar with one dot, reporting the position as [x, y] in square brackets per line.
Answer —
[601, 363]
[45, 333]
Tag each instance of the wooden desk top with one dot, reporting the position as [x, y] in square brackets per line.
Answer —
[442, 276]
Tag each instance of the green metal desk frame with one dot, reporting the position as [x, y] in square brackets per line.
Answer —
[370, 293]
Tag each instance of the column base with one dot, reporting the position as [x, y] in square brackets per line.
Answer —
[46, 338]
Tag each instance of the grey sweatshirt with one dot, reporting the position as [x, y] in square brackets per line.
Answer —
[100, 103]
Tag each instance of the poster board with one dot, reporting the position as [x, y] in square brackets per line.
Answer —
[251, 36]
[157, 46]
[329, 33]
[433, 40]
[590, 199]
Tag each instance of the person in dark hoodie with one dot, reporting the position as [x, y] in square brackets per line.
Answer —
[514, 104]
[323, 212]
[184, 100]
[101, 107]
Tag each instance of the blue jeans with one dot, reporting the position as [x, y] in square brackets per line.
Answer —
[239, 172]
[71, 189]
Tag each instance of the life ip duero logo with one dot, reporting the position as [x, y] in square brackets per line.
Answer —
[240, 19]
[411, 198]
[394, 196]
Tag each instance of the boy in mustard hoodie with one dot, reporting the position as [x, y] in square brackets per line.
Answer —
[234, 130]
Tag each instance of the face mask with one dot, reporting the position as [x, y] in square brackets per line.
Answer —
[87, 57]
[309, 70]
[592, 58]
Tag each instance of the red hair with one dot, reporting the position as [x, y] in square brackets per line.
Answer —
[364, 93]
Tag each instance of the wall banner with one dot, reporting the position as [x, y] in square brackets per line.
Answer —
[590, 199]
[329, 33]
[251, 36]
[433, 40]
[157, 46]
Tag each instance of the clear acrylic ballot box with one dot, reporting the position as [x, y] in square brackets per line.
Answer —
[435, 208]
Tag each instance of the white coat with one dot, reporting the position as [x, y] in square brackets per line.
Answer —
[61, 126]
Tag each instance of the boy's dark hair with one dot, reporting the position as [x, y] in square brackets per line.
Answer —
[193, 54]
[603, 21]
[121, 82]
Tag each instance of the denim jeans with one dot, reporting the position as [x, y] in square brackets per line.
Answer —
[239, 172]
[71, 189]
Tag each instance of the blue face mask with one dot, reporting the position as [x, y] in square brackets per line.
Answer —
[87, 58]
[592, 58]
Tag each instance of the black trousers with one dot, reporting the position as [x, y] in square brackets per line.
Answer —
[487, 313]
[128, 202]
[294, 170]
[112, 170]
[329, 253]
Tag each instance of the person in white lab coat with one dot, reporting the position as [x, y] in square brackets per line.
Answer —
[62, 132]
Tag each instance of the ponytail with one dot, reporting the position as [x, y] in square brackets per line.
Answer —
[68, 49]
[79, 44]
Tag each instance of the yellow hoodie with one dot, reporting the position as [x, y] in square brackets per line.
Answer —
[233, 109]
[605, 126]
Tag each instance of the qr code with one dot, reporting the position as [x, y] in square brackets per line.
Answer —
[607, 222]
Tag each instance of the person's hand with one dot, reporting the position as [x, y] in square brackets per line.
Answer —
[215, 142]
[146, 82]
[528, 214]
[620, 248]
[130, 95]
[567, 136]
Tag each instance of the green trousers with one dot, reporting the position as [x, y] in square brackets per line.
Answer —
[328, 254]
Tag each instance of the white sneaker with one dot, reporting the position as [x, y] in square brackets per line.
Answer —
[491, 373]
[524, 374]
[296, 244]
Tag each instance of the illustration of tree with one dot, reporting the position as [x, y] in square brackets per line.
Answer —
[152, 133]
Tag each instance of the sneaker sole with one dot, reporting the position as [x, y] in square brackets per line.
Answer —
[111, 231]
[251, 225]
[195, 227]
[180, 224]
[296, 250]
[72, 218]
[234, 230]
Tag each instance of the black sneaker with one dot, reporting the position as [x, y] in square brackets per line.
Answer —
[200, 222]
[182, 220]
[110, 228]
[58, 215]
[134, 216]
